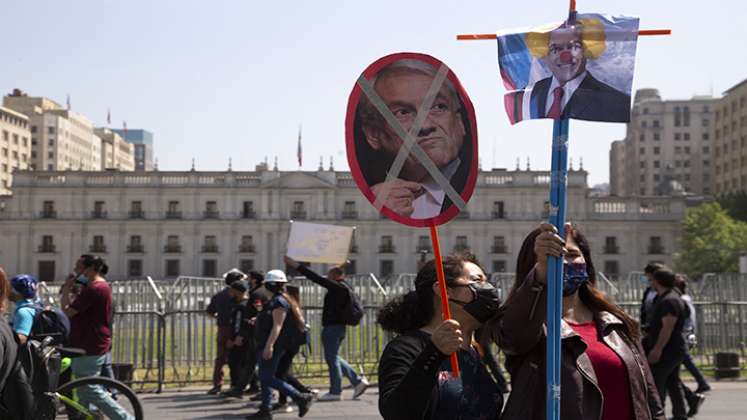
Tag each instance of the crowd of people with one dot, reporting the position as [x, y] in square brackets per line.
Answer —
[261, 328]
[612, 367]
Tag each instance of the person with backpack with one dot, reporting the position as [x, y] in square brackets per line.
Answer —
[90, 321]
[276, 329]
[16, 397]
[241, 355]
[341, 308]
[23, 293]
[221, 307]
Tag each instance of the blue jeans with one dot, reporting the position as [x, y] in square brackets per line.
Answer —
[94, 394]
[690, 366]
[267, 371]
[332, 336]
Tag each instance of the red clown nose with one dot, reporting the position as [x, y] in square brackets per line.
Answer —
[566, 57]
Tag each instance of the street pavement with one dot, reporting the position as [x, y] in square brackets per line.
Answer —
[727, 401]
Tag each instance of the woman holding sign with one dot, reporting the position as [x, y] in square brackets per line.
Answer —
[414, 371]
[604, 374]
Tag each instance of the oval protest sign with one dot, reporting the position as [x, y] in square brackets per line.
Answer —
[411, 139]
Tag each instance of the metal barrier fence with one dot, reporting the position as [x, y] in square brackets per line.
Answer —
[162, 331]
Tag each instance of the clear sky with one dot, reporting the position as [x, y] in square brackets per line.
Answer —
[219, 79]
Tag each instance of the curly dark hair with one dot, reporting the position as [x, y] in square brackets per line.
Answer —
[415, 309]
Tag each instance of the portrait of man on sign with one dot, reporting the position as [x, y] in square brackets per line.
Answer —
[580, 70]
[429, 107]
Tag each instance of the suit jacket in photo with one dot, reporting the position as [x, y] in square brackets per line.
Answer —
[592, 101]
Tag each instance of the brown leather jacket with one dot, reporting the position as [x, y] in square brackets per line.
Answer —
[520, 333]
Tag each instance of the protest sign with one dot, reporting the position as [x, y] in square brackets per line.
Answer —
[412, 139]
[317, 243]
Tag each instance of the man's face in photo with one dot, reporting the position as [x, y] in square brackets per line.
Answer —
[566, 54]
[442, 133]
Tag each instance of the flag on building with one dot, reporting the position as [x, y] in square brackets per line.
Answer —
[124, 126]
[108, 117]
[300, 151]
[68, 102]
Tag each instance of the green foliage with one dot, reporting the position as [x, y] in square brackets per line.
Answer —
[712, 241]
[735, 204]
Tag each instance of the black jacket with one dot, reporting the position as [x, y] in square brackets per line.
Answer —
[337, 297]
[592, 101]
[408, 378]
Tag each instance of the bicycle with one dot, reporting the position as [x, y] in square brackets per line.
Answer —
[63, 399]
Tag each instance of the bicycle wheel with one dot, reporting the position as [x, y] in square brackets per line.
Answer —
[121, 394]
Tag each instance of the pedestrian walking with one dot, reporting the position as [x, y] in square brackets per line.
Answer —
[336, 315]
[665, 344]
[277, 327]
[90, 329]
[694, 398]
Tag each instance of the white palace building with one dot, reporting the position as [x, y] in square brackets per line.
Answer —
[165, 224]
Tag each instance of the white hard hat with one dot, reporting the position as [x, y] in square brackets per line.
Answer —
[275, 276]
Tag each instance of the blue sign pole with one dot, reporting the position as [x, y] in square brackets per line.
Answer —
[558, 182]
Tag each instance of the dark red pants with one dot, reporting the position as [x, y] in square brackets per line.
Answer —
[221, 358]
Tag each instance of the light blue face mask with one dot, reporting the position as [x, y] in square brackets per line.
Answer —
[643, 279]
[82, 279]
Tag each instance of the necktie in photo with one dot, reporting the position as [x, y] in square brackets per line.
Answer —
[557, 103]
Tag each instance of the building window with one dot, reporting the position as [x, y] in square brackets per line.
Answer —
[99, 210]
[642, 137]
[656, 123]
[610, 245]
[386, 268]
[657, 137]
[211, 210]
[98, 245]
[247, 244]
[499, 245]
[299, 210]
[33, 129]
[173, 211]
[348, 210]
[387, 245]
[247, 210]
[424, 244]
[642, 151]
[461, 244]
[50, 130]
[656, 150]
[136, 210]
[210, 244]
[172, 268]
[46, 271]
[498, 210]
[499, 266]
[686, 136]
[209, 268]
[136, 244]
[246, 265]
[612, 269]
[676, 136]
[172, 244]
[47, 244]
[134, 268]
[48, 211]
[657, 164]
[655, 245]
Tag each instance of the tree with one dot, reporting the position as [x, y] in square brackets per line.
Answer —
[712, 241]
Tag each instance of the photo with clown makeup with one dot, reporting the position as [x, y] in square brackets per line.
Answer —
[582, 70]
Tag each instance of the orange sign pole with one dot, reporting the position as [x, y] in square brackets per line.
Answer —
[442, 288]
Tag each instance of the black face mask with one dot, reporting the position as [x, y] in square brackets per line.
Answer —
[485, 301]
